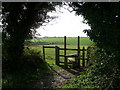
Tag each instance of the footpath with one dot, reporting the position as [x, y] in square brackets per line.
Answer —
[56, 80]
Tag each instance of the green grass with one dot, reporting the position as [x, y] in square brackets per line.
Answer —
[84, 41]
[82, 81]
[50, 52]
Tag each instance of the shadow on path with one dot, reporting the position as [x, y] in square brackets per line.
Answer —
[56, 79]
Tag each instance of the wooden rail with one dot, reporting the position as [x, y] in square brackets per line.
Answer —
[68, 49]
[49, 46]
[73, 49]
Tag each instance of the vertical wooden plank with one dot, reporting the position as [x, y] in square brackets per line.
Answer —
[78, 52]
[57, 55]
[64, 45]
[43, 52]
[65, 58]
[83, 63]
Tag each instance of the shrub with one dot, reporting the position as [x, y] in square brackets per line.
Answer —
[31, 58]
[105, 70]
[31, 67]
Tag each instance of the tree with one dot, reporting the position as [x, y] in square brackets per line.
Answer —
[103, 19]
[19, 23]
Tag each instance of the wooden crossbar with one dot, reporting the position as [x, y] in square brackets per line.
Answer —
[68, 49]
[49, 46]
[72, 55]
[73, 49]
[71, 59]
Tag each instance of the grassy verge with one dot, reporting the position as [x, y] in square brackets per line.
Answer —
[32, 68]
[84, 80]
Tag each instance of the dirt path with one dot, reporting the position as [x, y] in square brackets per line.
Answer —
[55, 80]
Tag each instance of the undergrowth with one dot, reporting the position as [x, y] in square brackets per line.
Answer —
[84, 80]
[32, 67]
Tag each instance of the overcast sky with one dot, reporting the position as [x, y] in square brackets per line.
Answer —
[67, 24]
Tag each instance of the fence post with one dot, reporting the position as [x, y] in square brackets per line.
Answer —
[57, 55]
[65, 58]
[83, 62]
[43, 52]
[78, 52]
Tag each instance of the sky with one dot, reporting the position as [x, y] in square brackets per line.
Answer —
[67, 24]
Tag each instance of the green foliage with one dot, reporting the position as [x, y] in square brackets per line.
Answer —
[31, 58]
[92, 54]
[20, 19]
[106, 70]
[103, 19]
[84, 80]
[32, 67]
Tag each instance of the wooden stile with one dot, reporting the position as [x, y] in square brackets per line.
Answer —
[77, 57]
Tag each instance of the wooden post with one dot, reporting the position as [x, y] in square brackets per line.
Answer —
[57, 55]
[43, 52]
[78, 52]
[65, 58]
[83, 63]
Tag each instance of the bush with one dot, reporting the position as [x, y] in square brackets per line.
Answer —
[105, 69]
[31, 59]
[84, 80]
[31, 67]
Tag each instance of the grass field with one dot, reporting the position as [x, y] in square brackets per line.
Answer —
[50, 52]
[70, 41]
